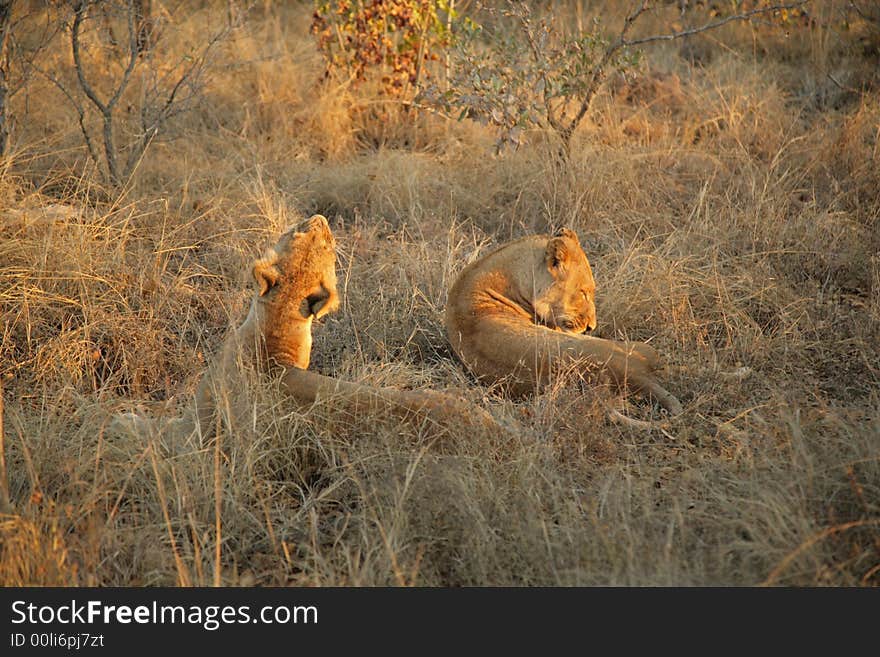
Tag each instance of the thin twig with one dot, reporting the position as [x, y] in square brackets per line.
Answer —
[599, 73]
[622, 42]
[80, 110]
[746, 15]
[172, 104]
[17, 58]
[538, 58]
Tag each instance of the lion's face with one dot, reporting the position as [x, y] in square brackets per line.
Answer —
[565, 289]
[296, 282]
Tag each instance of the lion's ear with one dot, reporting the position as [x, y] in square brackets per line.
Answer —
[265, 272]
[557, 253]
[567, 232]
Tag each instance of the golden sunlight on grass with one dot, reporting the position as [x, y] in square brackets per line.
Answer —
[727, 192]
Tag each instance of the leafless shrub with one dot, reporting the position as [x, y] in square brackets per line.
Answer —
[134, 105]
[5, 20]
[22, 39]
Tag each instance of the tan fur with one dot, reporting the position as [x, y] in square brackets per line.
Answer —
[516, 316]
[296, 282]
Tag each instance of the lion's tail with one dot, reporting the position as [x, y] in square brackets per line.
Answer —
[667, 399]
[411, 406]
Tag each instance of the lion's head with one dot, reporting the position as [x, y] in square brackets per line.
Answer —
[296, 281]
[565, 289]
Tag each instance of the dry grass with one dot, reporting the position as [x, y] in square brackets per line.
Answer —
[728, 198]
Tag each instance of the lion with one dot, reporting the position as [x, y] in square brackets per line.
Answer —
[295, 285]
[518, 316]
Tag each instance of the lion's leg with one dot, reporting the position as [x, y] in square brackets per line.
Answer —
[667, 400]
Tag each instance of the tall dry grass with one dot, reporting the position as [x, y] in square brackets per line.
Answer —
[728, 197]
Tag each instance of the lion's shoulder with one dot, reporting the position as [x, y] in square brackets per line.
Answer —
[540, 279]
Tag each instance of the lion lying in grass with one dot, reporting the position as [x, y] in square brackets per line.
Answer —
[296, 284]
[517, 316]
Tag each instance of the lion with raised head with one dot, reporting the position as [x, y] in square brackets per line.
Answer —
[296, 284]
[519, 314]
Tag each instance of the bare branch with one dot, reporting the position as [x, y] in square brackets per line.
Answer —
[79, 13]
[133, 51]
[628, 22]
[540, 61]
[623, 42]
[21, 57]
[172, 104]
[162, 95]
[5, 21]
[714, 24]
[864, 14]
[105, 110]
[599, 74]
[80, 110]
[143, 15]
